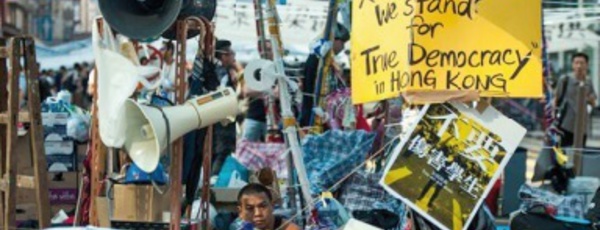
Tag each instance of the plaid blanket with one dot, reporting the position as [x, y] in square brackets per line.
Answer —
[258, 155]
[329, 157]
[572, 206]
[340, 110]
[362, 192]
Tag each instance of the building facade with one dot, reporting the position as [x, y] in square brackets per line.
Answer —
[567, 33]
[52, 22]
[17, 17]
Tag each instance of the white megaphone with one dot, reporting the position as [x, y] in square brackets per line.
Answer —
[146, 130]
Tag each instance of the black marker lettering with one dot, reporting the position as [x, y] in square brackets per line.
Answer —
[367, 53]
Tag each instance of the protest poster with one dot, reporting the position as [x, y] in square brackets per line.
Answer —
[446, 45]
[448, 160]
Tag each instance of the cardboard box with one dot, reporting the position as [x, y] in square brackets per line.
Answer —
[138, 203]
[63, 188]
[27, 211]
[226, 195]
[61, 196]
[103, 210]
[226, 199]
[67, 207]
[59, 147]
[60, 156]
[54, 119]
[61, 163]
[55, 126]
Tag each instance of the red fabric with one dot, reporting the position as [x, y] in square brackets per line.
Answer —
[70, 220]
[84, 209]
[492, 199]
[361, 121]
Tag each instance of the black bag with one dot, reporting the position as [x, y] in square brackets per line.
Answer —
[530, 221]
[593, 213]
[380, 218]
[483, 220]
[559, 178]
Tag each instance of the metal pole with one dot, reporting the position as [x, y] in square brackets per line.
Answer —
[580, 7]
[289, 122]
[2, 16]
[580, 127]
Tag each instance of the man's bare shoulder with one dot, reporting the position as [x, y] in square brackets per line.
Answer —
[292, 226]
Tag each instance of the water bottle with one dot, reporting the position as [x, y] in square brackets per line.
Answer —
[65, 96]
[247, 226]
[239, 224]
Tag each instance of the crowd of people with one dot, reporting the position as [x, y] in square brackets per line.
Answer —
[73, 80]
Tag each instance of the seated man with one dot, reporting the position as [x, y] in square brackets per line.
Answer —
[256, 207]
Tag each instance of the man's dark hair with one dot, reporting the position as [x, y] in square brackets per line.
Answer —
[581, 55]
[220, 47]
[254, 188]
[169, 46]
[341, 33]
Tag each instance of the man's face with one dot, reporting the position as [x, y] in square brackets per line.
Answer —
[227, 57]
[268, 50]
[338, 46]
[580, 67]
[257, 209]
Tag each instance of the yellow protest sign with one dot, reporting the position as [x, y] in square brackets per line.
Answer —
[441, 45]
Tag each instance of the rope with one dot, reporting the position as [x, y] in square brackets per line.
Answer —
[575, 150]
[379, 152]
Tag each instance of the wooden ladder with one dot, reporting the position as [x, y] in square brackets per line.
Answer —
[20, 50]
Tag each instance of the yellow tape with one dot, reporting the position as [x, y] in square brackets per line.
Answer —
[288, 122]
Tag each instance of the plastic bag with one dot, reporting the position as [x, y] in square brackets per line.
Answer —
[117, 80]
[78, 125]
[79, 120]
[330, 215]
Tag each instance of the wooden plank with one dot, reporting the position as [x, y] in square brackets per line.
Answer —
[177, 148]
[206, 169]
[11, 159]
[3, 127]
[22, 117]
[27, 182]
[98, 164]
[40, 165]
[3, 51]
[98, 168]
[23, 181]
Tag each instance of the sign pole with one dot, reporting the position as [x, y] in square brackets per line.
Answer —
[580, 127]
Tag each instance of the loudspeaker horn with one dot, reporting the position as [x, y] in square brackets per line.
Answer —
[149, 127]
[140, 19]
[193, 8]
